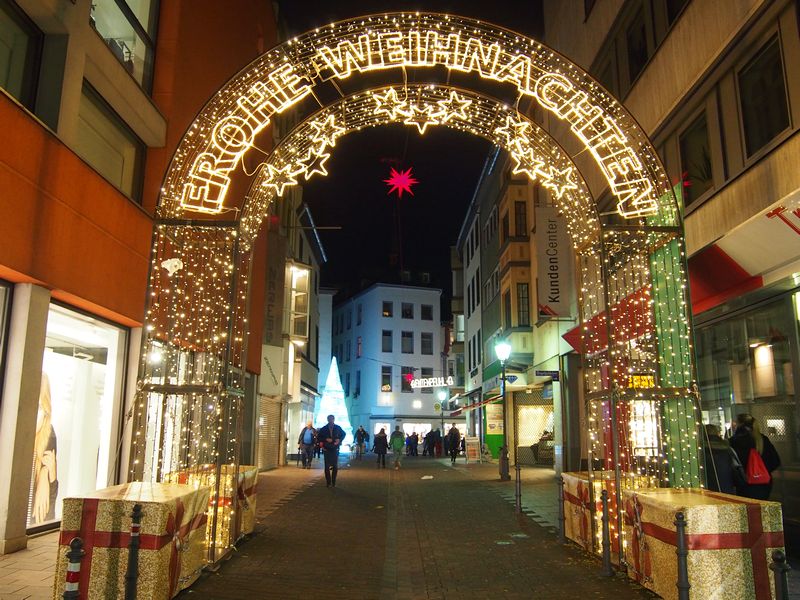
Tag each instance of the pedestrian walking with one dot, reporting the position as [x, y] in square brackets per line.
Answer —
[361, 439]
[757, 455]
[724, 472]
[306, 443]
[330, 438]
[380, 446]
[453, 443]
[397, 443]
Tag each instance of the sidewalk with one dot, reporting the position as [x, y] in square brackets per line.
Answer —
[426, 531]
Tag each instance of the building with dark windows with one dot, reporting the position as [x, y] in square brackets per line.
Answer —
[94, 97]
[716, 86]
[389, 345]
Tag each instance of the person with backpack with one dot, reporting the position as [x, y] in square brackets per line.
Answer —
[757, 456]
[380, 446]
[724, 472]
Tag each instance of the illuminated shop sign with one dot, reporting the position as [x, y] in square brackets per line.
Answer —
[430, 382]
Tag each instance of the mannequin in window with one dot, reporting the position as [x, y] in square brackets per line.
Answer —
[45, 482]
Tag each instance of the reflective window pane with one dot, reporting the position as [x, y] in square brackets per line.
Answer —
[696, 160]
[124, 39]
[20, 43]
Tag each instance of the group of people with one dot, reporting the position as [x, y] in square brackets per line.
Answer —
[743, 463]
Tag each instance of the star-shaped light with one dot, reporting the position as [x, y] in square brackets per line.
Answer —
[515, 132]
[389, 103]
[279, 177]
[313, 162]
[560, 181]
[526, 162]
[400, 181]
[325, 132]
[454, 106]
[422, 116]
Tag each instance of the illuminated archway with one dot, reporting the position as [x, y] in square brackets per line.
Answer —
[634, 311]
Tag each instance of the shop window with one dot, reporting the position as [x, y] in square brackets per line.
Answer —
[387, 309]
[695, 160]
[762, 95]
[425, 373]
[520, 220]
[426, 312]
[79, 410]
[406, 375]
[386, 341]
[427, 343]
[386, 378]
[523, 306]
[407, 310]
[636, 44]
[128, 29]
[407, 342]
[108, 145]
[20, 53]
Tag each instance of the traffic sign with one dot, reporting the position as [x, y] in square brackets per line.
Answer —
[437, 407]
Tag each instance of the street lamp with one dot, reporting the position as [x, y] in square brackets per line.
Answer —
[503, 350]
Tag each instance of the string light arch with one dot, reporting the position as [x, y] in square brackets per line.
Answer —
[634, 312]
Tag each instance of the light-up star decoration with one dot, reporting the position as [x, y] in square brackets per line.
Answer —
[400, 181]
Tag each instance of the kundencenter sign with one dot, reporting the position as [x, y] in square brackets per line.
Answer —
[429, 382]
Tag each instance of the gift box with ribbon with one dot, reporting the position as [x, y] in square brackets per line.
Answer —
[579, 511]
[730, 541]
[172, 549]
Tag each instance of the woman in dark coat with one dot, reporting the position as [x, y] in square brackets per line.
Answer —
[747, 436]
[380, 446]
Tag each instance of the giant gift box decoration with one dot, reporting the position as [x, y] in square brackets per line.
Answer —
[579, 512]
[172, 548]
[730, 540]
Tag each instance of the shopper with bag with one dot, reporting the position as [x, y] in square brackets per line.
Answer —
[757, 455]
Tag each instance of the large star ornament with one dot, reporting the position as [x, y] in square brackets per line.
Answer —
[400, 181]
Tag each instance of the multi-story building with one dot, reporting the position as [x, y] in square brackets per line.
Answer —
[94, 96]
[388, 341]
[717, 88]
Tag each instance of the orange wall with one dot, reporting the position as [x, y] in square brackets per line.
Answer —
[201, 44]
[65, 227]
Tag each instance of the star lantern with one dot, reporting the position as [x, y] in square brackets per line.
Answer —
[400, 181]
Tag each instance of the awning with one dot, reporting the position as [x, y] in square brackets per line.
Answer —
[475, 405]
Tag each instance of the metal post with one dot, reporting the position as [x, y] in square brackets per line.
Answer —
[504, 474]
[562, 534]
[132, 574]
[518, 491]
[607, 570]
[683, 553]
[74, 556]
[780, 572]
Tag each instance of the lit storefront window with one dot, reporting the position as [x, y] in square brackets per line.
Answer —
[75, 446]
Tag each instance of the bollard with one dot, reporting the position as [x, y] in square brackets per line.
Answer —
[562, 519]
[608, 571]
[780, 572]
[503, 465]
[682, 552]
[518, 491]
[132, 574]
[74, 556]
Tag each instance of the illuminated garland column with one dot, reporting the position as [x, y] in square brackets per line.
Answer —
[672, 315]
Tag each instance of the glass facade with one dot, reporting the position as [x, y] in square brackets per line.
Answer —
[75, 446]
[748, 363]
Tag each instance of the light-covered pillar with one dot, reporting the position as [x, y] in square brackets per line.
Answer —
[23, 379]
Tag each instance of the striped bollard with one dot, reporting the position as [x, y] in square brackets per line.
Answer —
[74, 557]
[132, 574]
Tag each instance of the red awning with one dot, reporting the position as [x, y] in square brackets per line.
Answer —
[464, 409]
[715, 277]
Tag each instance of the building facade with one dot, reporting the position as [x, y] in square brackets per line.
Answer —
[717, 89]
[388, 341]
[94, 96]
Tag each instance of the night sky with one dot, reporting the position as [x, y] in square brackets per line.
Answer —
[447, 164]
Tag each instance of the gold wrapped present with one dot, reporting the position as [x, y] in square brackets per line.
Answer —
[583, 511]
[730, 540]
[172, 545]
[246, 491]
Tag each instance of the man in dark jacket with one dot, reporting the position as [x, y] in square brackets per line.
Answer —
[724, 472]
[330, 437]
[747, 436]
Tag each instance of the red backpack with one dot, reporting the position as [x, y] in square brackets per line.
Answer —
[757, 473]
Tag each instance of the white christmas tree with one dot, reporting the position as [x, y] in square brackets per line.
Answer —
[332, 403]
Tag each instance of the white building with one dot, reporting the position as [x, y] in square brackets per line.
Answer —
[385, 338]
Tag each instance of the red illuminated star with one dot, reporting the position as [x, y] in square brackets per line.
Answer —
[401, 181]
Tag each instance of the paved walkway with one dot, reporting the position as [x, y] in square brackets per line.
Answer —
[426, 531]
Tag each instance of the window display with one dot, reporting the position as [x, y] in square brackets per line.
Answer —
[75, 445]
